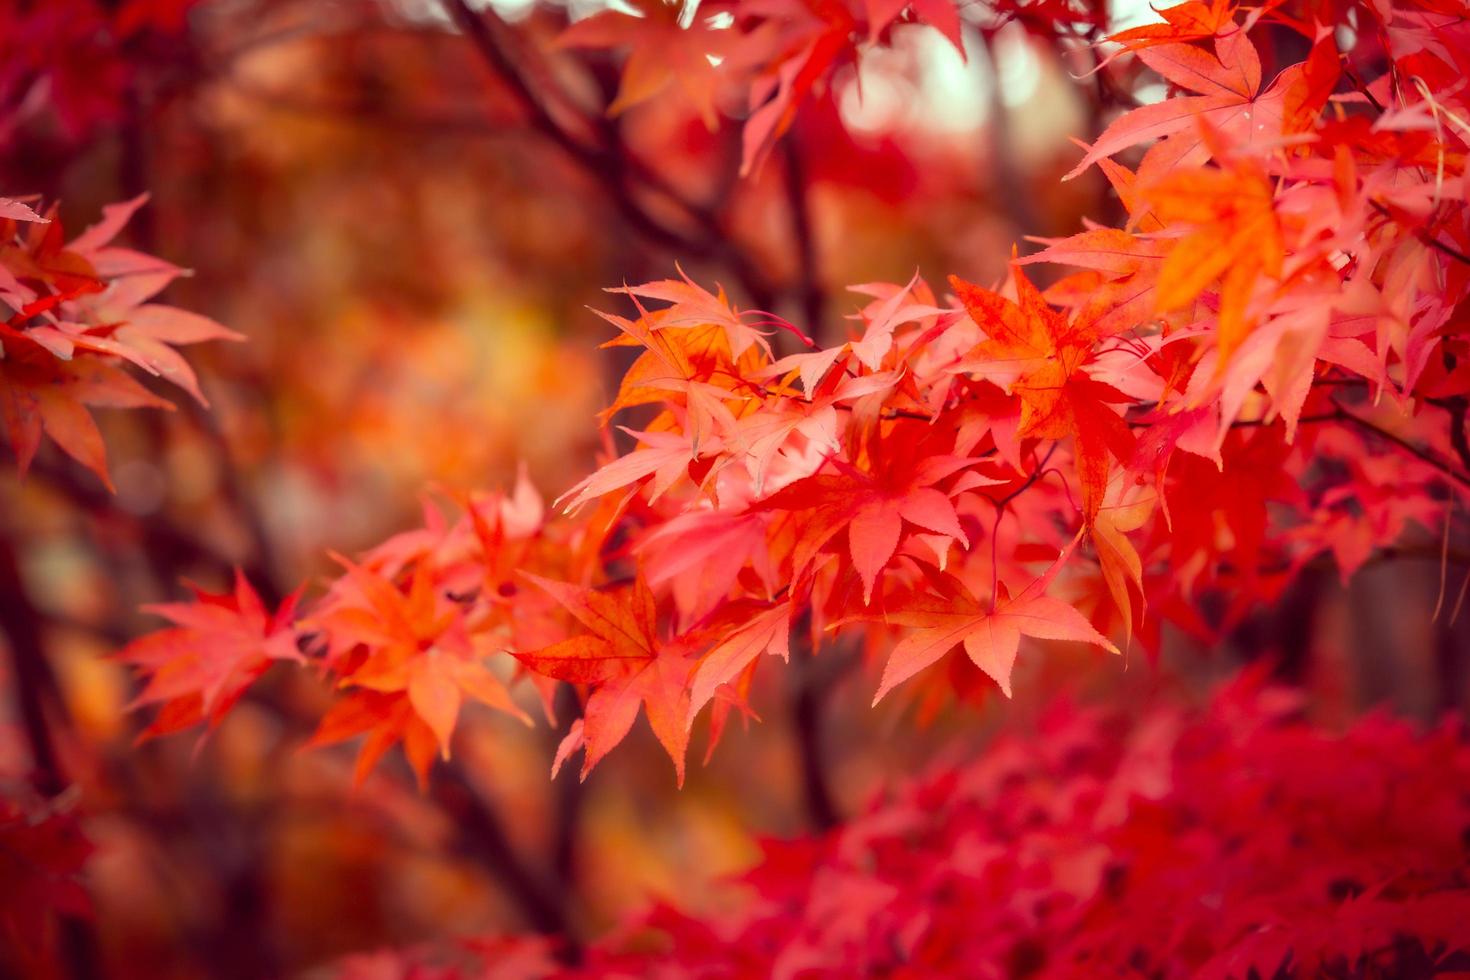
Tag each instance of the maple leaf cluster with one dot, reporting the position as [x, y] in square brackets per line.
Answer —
[77, 313]
[1234, 840]
[1261, 367]
[75, 61]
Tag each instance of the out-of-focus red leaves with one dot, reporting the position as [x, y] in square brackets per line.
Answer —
[219, 645]
[1231, 841]
[42, 853]
[80, 312]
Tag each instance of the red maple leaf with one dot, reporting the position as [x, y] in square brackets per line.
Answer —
[874, 507]
[1041, 357]
[42, 856]
[1228, 100]
[218, 647]
[39, 392]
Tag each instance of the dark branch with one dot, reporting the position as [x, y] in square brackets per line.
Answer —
[609, 163]
[483, 835]
[798, 199]
[1425, 237]
[1418, 452]
[808, 690]
[1458, 406]
[36, 690]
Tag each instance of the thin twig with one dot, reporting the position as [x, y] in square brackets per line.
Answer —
[482, 835]
[1418, 452]
[1425, 237]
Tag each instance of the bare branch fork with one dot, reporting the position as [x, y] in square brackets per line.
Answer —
[609, 162]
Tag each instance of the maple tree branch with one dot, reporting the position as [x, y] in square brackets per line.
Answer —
[1263, 420]
[164, 542]
[887, 414]
[569, 796]
[1459, 407]
[243, 504]
[596, 160]
[481, 835]
[1008, 183]
[35, 684]
[1424, 237]
[1418, 452]
[1107, 94]
[205, 422]
[1257, 423]
[1361, 85]
[798, 199]
[1036, 474]
[477, 29]
[35, 688]
[368, 113]
[610, 164]
[484, 835]
[806, 721]
[1390, 553]
[1000, 513]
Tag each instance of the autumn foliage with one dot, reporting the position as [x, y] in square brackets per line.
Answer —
[925, 483]
[1100, 844]
[1253, 364]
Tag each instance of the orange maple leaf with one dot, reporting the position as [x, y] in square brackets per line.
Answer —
[627, 661]
[765, 630]
[697, 55]
[874, 507]
[991, 635]
[412, 646]
[75, 308]
[1189, 21]
[1236, 235]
